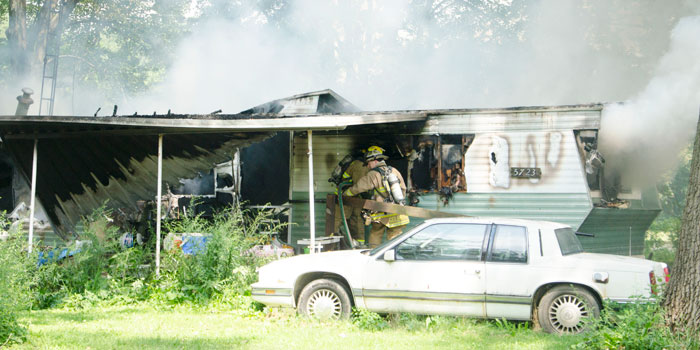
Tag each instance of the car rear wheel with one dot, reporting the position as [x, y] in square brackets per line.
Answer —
[565, 309]
[324, 299]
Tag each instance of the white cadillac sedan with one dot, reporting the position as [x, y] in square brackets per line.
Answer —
[480, 267]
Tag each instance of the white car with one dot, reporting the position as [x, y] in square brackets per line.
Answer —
[480, 267]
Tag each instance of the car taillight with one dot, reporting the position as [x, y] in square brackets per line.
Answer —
[667, 274]
[652, 282]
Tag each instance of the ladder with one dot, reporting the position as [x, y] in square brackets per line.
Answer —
[50, 71]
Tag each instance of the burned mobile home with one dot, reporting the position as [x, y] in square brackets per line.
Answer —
[525, 162]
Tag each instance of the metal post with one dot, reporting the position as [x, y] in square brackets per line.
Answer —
[32, 201]
[630, 241]
[312, 222]
[158, 200]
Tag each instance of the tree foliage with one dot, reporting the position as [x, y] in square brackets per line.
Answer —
[118, 46]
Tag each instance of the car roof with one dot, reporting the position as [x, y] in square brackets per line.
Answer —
[497, 220]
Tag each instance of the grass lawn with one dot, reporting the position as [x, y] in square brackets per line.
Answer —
[142, 327]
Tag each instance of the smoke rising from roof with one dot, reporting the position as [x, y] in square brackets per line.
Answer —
[389, 55]
[395, 55]
[643, 135]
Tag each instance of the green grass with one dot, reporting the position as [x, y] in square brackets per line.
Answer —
[142, 327]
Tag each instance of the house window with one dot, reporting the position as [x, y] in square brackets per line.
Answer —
[436, 163]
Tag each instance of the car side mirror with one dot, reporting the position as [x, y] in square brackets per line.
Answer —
[390, 255]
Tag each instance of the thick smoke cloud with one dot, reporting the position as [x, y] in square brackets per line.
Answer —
[642, 136]
[398, 55]
[391, 55]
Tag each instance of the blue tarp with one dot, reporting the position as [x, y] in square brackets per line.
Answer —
[191, 245]
[55, 255]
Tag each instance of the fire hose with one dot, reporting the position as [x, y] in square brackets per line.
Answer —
[341, 188]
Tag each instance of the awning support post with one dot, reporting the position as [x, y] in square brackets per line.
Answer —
[32, 200]
[312, 222]
[158, 201]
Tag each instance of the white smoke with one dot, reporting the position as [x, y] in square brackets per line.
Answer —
[644, 135]
[392, 54]
[387, 55]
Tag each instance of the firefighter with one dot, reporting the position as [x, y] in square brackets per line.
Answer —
[353, 168]
[386, 184]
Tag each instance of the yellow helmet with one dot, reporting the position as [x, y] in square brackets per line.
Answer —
[375, 153]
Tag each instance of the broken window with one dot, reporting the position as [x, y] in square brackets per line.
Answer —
[204, 192]
[593, 160]
[436, 164]
[605, 180]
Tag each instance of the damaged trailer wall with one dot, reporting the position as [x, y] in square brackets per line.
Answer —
[86, 161]
[560, 194]
[524, 139]
[80, 173]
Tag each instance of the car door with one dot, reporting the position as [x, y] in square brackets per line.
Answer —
[437, 270]
[508, 275]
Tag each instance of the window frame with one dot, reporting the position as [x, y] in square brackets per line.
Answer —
[572, 235]
[489, 252]
[485, 238]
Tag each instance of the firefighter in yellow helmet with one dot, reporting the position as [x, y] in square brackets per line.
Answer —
[385, 184]
[348, 171]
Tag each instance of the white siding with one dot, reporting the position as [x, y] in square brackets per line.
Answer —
[500, 121]
[561, 167]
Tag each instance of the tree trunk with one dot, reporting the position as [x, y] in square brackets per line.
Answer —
[17, 37]
[682, 300]
[46, 23]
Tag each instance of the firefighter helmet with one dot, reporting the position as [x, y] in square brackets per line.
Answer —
[375, 153]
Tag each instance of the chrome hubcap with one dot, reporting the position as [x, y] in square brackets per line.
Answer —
[324, 305]
[566, 314]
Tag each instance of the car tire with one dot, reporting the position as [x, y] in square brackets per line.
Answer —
[565, 309]
[324, 299]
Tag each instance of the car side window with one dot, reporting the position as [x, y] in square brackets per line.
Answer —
[509, 244]
[444, 242]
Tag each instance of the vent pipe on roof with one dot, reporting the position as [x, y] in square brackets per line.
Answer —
[24, 101]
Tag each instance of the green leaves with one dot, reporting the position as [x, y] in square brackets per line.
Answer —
[637, 325]
[368, 320]
[14, 285]
[225, 264]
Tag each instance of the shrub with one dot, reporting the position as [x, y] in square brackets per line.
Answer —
[14, 287]
[224, 265]
[103, 271]
[368, 320]
[99, 266]
[637, 325]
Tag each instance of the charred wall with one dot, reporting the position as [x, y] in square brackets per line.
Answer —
[265, 171]
[7, 175]
[79, 173]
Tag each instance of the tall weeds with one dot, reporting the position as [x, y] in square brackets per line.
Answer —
[96, 263]
[637, 325]
[14, 286]
[225, 264]
[102, 269]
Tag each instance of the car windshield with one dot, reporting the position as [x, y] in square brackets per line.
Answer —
[568, 242]
[386, 243]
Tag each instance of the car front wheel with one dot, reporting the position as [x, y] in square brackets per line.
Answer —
[565, 309]
[324, 299]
